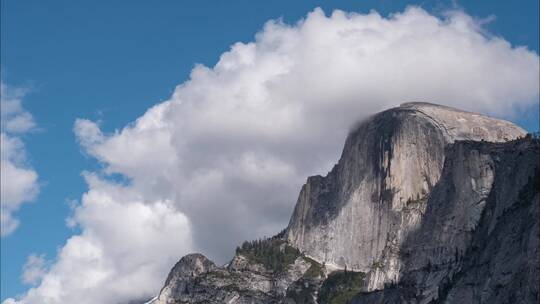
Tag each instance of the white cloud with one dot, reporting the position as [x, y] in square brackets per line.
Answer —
[18, 182]
[14, 118]
[34, 269]
[124, 252]
[226, 155]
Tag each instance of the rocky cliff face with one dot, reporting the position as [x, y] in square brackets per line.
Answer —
[479, 239]
[426, 204]
[362, 211]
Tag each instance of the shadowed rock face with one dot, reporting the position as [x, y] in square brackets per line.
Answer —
[431, 204]
[478, 242]
[362, 211]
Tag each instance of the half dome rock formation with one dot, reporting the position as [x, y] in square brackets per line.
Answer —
[362, 211]
[427, 204]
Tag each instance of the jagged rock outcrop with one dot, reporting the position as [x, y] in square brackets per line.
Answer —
[189, 267]
[245, 280]
[428, 204]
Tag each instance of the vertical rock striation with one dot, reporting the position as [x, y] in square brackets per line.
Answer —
[479, 239]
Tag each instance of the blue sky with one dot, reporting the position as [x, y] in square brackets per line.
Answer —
[110, 61]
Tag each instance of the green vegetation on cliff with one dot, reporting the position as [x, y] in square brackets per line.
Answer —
[340, 287]
[315, 270]
[274, 253]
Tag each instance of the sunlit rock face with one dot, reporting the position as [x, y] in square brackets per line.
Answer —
[190, 266]
[360, 214]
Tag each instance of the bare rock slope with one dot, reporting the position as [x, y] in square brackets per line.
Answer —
[427, 204]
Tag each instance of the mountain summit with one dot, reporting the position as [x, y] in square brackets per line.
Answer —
[427, 204]
[364, 209]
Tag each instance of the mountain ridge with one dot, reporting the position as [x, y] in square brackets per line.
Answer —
[364, 220]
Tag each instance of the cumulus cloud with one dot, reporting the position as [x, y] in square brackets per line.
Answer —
[14, 118]
[225, 157]
[34, 269]
[18, 182]
[124, 252]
